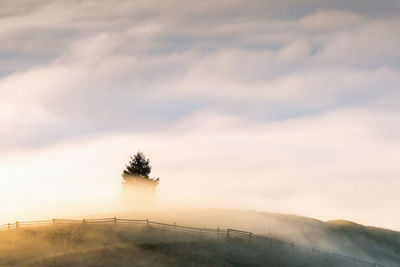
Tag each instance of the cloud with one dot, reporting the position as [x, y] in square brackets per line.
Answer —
[313, 166]
[142, 66]
[305, 92]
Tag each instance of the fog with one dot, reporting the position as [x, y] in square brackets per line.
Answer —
[288, 107]
[256, 169]
[56, 244]
[83, 180]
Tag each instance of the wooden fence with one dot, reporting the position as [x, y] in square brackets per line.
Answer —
[216, 232]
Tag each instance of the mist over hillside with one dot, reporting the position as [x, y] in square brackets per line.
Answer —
[125, 244]
[340, 236]
[277, 120]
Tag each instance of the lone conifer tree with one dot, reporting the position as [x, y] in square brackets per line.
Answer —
[138, 166]
[137, 173]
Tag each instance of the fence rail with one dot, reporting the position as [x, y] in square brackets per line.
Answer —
[225, 233]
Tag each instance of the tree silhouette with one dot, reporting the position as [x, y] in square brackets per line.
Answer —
[138, 166]
[137, 173]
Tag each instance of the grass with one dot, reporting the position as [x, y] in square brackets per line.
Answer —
[110, 245]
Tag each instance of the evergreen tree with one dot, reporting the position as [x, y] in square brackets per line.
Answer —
[137, 172]
[138, 166]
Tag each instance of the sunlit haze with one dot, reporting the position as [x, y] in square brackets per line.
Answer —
[280, 106]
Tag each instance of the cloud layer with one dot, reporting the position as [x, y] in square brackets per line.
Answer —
[305, 91]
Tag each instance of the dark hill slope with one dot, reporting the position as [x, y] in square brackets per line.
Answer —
[117, 245]
[344, 237]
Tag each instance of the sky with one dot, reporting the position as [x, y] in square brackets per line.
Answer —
[283, 106]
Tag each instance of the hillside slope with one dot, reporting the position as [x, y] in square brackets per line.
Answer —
[344, 237]
[119, 245]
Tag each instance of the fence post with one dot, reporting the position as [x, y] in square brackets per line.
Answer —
[54, 221]
[83, 221]
[227, 233]
[8, 226]
[251, 236]
[16, 224]
[174, 225]
[115, 220]
[292, 246]
[218, 231]
[147, 221]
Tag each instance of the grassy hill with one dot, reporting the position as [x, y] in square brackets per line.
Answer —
[122, 245]
[115, 245]
[344, 237]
